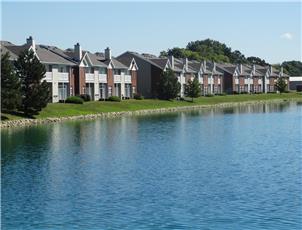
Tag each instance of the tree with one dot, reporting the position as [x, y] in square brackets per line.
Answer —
[163, 54]
[10, 85]
[35, 92]
[293, 68]
[256, 60]
[168, 87]
[281, 84]
[193, 88]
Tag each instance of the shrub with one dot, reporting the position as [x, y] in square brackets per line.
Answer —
[85, 97]
[235, 92]
[221, 94]
[138, 97]
[243, 92]
[114, 98]
[74, 100]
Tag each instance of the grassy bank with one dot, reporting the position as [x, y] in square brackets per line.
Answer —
[93, 107]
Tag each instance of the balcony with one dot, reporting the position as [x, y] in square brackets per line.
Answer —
[63, 77]
[48, 77]
[89, 77]
[127, 78]
[117, 79]
[103, 78]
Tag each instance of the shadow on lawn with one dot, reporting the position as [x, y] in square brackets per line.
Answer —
[15, 113]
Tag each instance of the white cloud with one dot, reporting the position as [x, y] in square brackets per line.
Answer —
[287, 36]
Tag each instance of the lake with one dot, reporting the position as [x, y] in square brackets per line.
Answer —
[220, 168]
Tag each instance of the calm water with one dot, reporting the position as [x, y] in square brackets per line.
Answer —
[235, 168]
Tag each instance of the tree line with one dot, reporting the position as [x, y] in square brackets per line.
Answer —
[212, 50]
[22, 88]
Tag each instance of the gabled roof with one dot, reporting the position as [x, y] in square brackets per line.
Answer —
[43, 52]
[195, 65]
[47, 55]
[12, 56]
[211, 66]
[127, 61]
[139, 56]
[116, 64]
[226, 67]
[96, 60]
[162, 62]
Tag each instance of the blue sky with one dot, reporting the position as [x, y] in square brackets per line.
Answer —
[269, 30]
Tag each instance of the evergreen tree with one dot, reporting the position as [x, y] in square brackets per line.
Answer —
[35, 92]
[193, 88]
[10, 85]
[281, 85]
[168, 87]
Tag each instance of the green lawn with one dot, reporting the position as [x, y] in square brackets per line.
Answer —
[61, 110]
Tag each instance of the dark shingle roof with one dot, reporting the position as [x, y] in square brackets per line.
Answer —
[45, 53]
[137, 55]
[162, 62]
[48, 54]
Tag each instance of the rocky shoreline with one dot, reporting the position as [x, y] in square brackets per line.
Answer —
[29, 122]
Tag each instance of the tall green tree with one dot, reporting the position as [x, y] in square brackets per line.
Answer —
[192, 88]
[281, 85]
[10, 85]
[35, 92]
[168, 87]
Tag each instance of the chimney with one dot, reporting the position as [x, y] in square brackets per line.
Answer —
[205, 65]
[214, 66]
[281, 71]
[271, 69]
[254, 68]
[240, 68]
[171, 59]
[78, 51]
[30, 41]
[107, 53]
[186, 63]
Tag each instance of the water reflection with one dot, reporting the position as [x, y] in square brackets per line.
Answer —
[194, 170]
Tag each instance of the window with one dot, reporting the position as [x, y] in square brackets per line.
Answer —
[117, 89]
[127, 90]
[90, 89]
[102, 71]
[61, 69]
[117, 71]
[246, 87]
[103, 89]
[49, 68]
[63, 91]
[89, 70]
[251, 88]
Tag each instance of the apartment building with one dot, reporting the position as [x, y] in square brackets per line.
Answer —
[270, 76]
[76, 72]
[59, 70]
[209, 77]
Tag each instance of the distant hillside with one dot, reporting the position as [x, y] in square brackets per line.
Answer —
[209, 49]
